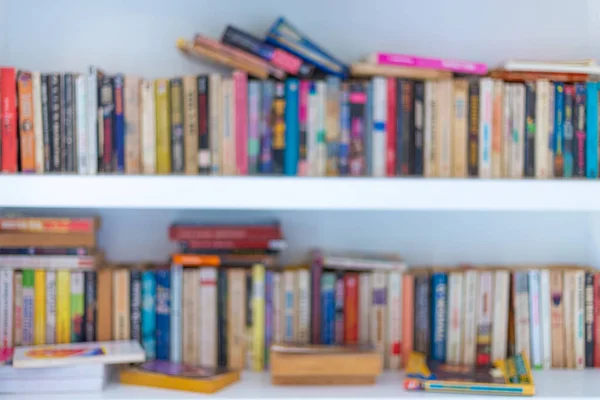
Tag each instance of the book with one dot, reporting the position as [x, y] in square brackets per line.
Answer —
[568, 132]
[486, 91]
[163, 314]
[39, 308]
[351, 307]
[240, 83]
[455, 318]
[421, 336]
[457, 66]
[292, 127]
[191, 133]
[63, 307]
[596, 320]
[104, 301]
[91, 118]
[521, 313]
[6, 311]
[148, 314]
[90, 305]
[365, 300]
[215, 124]
[50, 307]
[38, 117]
[339, 309]
[557, 319]
[48, 262]
[8, 115]
[175, 322]
[222, 322]
[327, 303]
[378, 129]
[118, 149]
[569, 322]
[545, 318]
[575, 67]
[189, 307]
[121, 304]
[579, 119]
[81, 147]
[443, 129]
[439, 315]
[394, 320]
[534, 319]
[117, 352]
[542, 111]
[474, 126]
[589, 319]
[429, 131]
[470, 321]
[135, 309]
[279, 129]
[484, 318]
[133, 137]
[559, 110]
[304, 306]
[208, 123]
[18, 309]
[163, 125]
[208, 317]
[27, 145]
[362, 69]
[591, 112]
[236, 317]
[363, 261]
[460, 129]
[500, 307]
[258, 317]
[77, 307]
[578, 318]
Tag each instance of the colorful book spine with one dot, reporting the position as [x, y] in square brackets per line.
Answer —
[557, 319]
[351, 304]
[91, 119]
[345, 125]
[332, 124]
[254, 128]
[176, 318]
[135, 311]
[304, 306]
[39, 308]
[390, 127]
[429, 166]
[486, 88]
[418, 128]
[50, 307]
[289, 287]
[37, 121]
[534, 319]
[302, 168]
[589, 319]
[568, 134]
[163, 126]
[222, 323]
[258, 317]
[422, 310]
[206, 130]
[228, 154]
[148, 314]
[591, 112]
[327, 303]
[559, 118]
[545, 318]
[579, 319]
[119, 128]
[266, 139]
[541, 128]
[580, 130]
[77, 307]
[474, 128]
[28, 307]
[439, 316]
[339, 309]
[551, 110]
[403, 60]
[394, 320]
[191, 132]
[8, 115]
[379, 128]
[292, 127]
[63, 307]
[240, 81]
[379, 314]
[279, 128]
[133, 136]
[163, 314]
[517, 162]
[26, 122]
[6, 309]
[90, 305]
[177, 138]
[357, 101]
[455, 317]
[530, 121]
[321, 148]
[18, 309]
[269, 322]
[470, 317]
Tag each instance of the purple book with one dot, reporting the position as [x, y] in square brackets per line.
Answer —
[315, 274]
[339, 309]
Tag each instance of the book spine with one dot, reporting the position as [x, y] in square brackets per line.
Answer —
[460, 129]
[68, 126]
[378, 130]
[91, 119]
[81, 146]
[46, 121]
[551, 110]
[135, 312]
[304, 306]
[248, 357]
[541, 128]
[289, 285]
[570, 322]
[404, 153]
[429, 167]
[365, 294]
[530, 123]
[90, 306]
[568, 134]
[240, 81]
[394, 320]
[579, 319]
[486, 88]
[521, 309]
[236, 318]
[119, 125]
[304, 88]
[444, 129]
[36, 92]
[321, 156]
[401, 60]
[559, 118]
[269, 321]
[63, 307]
[106, 137]
[311, 128]
[54, 104]
[439, 288]
[39, 307]
[175, 326]
[292, 127]
[177, 137]
[28, 307]
[534, 319]
[258, 317]
[18, 308]
[379, 314]
[591, 112]
[332, 125]
[390, 126]
[345, 130]
[121, 291]
[422, 310]
[266, 135]
[254, 106]
[580, 130]
[222, 322]
[474, 126]
[131, 95]
[545, 318]
[189, 323]
[455, 318]
[497, 121]
[417, 128]
[208, 317]
[408, 313]
[327, 303]
[163, 126]
[163, 314]
[190, 125]
[27, 145]
[589, 319]
[470, 317]
[228, 166]
[339, 309]
[507, 129]
[148, 312]
[351, 301]
[368, 130]
[279, 128]
[316, 268]
[6, 310]
[557, 319]
[8, 115]
[357, 101]
[77, 307]
[205, 119]
[596, 320]
[148, 127]
[517, 162]
[50, 307]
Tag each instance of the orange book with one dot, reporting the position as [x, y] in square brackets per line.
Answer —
[210, 260]
[104, 298]
[408, 298]
[26, 132]
[351, 308]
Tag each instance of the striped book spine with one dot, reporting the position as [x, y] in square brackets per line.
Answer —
[240, 82]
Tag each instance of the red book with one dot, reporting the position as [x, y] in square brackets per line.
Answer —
[391, 127]
[351, 308]
[597, 320]
[8, 120]
[236, 244]
[224, 232]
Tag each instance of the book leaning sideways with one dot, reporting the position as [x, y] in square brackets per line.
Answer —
[117, 352]
[510, 377]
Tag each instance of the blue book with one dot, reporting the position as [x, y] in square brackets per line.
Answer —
[559, 119]
[268, 314]
[591, 113]
[119, 130]
[568, 132]
[149, 314]
[163, 314]
[328, 281]
[292, 128]
[266, 129]
[439, 315]
[369, 129]
[176, 326]
[344, 155]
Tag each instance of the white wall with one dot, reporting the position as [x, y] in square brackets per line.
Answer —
[138, 36]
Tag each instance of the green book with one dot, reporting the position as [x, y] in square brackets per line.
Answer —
[77, 307]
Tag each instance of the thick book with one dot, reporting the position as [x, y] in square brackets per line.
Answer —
[365, 70]
[63, 306]
[135, 298]
[48, 261]
[351, 312]
[104, 304]
[363, 261]
[455, 318]
[403, 60]
[327, 304]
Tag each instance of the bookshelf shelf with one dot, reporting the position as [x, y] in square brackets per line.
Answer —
[555, 385]
[282, 193]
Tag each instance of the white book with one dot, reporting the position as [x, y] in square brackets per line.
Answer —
[486, 89]
[321, 159]
[507, 127]
[541, 128]
[484, 313]
[500, 315]
[379, 132]
[521, 309]
[289, 287]
[278, 308]
[188, 311]
[534, 319]
[38, 131]
[215, 124]
[569, 317]
[92, 120]
[378, 313]
[550, 126]
[148, 129]
[176, 306]
[48, 262]
[53, 386]
[394, 319]
[303, 276]
[579, 320]
[470, 317]
[6, 308]
[429, 167]
[443, 128]
[576, 67]
[208, 294]
[227, 158]
[74, 372]
[364, 261]
[364, 307]
[517, 161]
[81, 125]
[455, 318]
[116, 352]
[545, 318]
[197, 321]
[50, 307]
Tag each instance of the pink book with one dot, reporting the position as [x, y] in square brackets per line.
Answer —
[403, 60]
[302, 120]
[240, 82]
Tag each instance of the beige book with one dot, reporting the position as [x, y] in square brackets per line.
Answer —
[209, 341]
[133, 138]
[121, 305]
[148, 129]
[278, 307]
[429, 131]
[190, 333]
[460, 129]
[104, 304]
[443, 116]
[569, 320]
[363, 69]
[236, 318]
[190, 124]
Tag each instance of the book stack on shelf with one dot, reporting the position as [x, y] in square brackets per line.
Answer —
[292, 108]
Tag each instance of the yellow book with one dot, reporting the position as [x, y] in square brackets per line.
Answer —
[39, 308]
[63, 307]
[258, 317]
[163, 127]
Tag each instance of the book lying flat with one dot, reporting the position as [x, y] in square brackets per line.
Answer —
[574, 67]
[403, 60]
[366, 69]
[66, 379]
[117, 352]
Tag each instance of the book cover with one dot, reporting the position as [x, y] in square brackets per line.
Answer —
[240, 82]
[312, 139]
[379, 313]
[429, 128]
[534, 319]
[332, 124]
[486, 89]
[91, 118]
[50, 307]
[390, 127]
[542, 106]
[345, 130]
[163, 126]
[304, 88]
[551, 131]
[559, 118]
[9, 117]
[439, 316]
[394, 320]
[63, 307]
[119, 125]
[258, 317]
[545, 318]
[455, 318]
[266, 133]
[90, 305]
[379, 130]
[27, 140]
[568, 132]
[470, 317]
[215, 120]
[222, 323]
[579, 119]
[557, 319]
[77, 307]
[106, 99]
[589, 319]
[339, 308]
[422, 310]
[104, 298]
[357, 101]
[497, 128]
[351, 307]
[39, 307]
[175, 323]
[327, 303]
[579, 319]
[521, 313]
[279, 128]
[163, 314]
[474, 126]
[304, 306]
[191, 133]
[403, 60]
[591, 112]
[254, 126]
[148, 314]
[321, 148]
[135, 298]
[205, 118]
[177, 136]
[236, 318]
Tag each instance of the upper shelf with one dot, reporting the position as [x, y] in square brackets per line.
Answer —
[296, 193]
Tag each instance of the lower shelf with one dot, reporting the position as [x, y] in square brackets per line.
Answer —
[555, 384]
